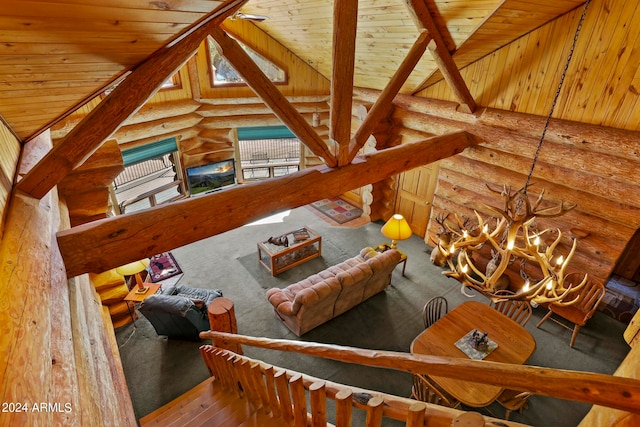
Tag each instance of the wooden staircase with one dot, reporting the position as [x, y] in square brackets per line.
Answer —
[210, 404]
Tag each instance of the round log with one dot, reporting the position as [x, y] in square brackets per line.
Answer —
[222, 318]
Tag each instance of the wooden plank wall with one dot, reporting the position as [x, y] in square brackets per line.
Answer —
[9, 155]
[602, 82]
[303, 79]
[600, 175]
[55, 347]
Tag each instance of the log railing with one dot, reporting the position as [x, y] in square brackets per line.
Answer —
[283, 394]
[598, 389]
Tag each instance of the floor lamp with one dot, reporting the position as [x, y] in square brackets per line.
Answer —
[134, 269]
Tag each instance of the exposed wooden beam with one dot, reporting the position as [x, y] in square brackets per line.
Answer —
[111, 242]
[270, 95]
[124, 101]
[441, 54]
[384, 103]
[345, 19]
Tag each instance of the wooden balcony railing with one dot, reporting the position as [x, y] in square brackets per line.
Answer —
[598, 389]
[283, 394]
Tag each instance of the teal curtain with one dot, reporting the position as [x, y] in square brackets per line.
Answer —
[149, 151]
[264, 132]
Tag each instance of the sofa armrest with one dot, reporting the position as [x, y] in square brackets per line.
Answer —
[280, 301]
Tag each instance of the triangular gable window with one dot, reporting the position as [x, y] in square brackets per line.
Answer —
[224, 74]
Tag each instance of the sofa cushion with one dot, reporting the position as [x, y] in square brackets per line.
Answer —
[382, 266]
[368, 253]
[353, 282]
[314, 294]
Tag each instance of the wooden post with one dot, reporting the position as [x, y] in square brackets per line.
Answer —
[222, 318]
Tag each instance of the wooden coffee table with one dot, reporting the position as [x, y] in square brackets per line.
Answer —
[277, 258]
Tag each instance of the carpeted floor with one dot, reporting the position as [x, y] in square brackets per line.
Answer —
[158, 369]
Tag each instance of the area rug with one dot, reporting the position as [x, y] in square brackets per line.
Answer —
[163, 266]
[337, 209]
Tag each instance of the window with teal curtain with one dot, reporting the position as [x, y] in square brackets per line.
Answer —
[264, 132]
[149, 151]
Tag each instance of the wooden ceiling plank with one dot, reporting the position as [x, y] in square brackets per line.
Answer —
[125, 100]
[270, 95]
[384, 103]
[441, 55]
[115, 241]
[345, 21]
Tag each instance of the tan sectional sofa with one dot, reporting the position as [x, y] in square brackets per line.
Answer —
[311, 302]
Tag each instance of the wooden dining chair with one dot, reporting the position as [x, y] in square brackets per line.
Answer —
[518, 311]
[426, 391]
[588, 298]
[513, 400]
[434, 309]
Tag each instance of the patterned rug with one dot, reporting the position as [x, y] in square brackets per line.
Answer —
[337, 209]
[163, 266]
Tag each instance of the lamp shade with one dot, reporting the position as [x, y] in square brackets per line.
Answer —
[133, 267]
[397, 228]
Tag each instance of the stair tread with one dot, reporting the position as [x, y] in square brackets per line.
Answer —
[222, 403]
[260, 419]
[227, 415]
[203, 393]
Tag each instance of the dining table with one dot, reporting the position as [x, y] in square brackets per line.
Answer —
[509, 343]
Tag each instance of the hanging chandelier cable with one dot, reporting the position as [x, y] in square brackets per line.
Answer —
[557, 95]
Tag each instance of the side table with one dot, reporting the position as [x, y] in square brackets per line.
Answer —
[403, 257]
[134, 297]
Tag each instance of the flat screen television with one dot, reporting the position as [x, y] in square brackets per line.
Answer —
[211, 177]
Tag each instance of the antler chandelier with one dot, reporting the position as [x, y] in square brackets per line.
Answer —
[514, 237]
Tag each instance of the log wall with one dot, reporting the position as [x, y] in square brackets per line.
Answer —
[590, 166]
[57, 347]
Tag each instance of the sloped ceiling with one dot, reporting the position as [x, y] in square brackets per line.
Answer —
[57, 54]
[386, 31]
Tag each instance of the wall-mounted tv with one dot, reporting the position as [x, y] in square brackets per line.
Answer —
[210, 177]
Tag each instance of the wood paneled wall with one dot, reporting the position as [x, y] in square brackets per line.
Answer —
[9, 155]
[602, 83]
[303, 78]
